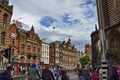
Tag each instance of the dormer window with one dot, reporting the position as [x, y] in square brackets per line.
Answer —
[5, 20]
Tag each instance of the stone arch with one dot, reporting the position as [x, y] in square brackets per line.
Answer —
[113, 38]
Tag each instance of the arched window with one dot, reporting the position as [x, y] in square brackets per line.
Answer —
[4, 20]
[3, 38]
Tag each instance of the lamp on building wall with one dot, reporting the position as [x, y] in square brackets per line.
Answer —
[11, 53]
[13, 38]
[103, 51]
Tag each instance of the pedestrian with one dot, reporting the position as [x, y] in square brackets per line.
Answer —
[118, 72]
[79, 72]
[109, 74]
[52, 70]
[33, 73]
[47, 74]
[64, 75]
[57, 72]
[23, 71]
[94, 74]
[6, 74]
[115, 75]
[86, 72]
[100, 73]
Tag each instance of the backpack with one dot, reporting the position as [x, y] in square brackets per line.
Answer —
[113, 72]
[5, 75]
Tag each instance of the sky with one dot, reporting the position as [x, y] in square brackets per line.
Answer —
[58, 19]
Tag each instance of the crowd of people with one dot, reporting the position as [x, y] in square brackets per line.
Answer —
[95, 73]
[35, 72]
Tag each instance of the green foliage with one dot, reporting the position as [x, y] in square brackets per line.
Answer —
[85, 60]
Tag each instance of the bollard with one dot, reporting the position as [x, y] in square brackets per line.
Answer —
[104, 70]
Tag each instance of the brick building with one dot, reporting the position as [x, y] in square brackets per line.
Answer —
[6, 11]
[88, 49]
[26, 46]
[109, 20]
[55, 53]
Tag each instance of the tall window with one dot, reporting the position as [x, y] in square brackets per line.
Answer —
[12, 52]
[38, 51]
[4, 20]
[34, 49]
[23, 47]
[28, 48]
[3, 38]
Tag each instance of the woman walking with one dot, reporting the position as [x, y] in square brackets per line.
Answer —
[94, 74]
[79, 72]
[33, 72]
[64, 75]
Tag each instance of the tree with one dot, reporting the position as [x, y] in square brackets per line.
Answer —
[85, 60]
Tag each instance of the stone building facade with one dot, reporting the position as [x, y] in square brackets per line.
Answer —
[109, 20]
[63, 54]
[69, 53]
[6, 11]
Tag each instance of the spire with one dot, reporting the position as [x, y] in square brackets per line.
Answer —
[96, 27]
[32, 29]
[69, 42]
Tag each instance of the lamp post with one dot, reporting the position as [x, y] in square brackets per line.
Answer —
[102, 38]
[11, 51]
[103, 51]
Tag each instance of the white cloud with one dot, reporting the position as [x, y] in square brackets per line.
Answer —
[32, 11]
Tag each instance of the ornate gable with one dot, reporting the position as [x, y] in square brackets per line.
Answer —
[32, 31]
[32, 34]
[63, 44]
[69, 46]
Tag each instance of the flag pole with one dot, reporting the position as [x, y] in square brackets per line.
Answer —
[9, 55]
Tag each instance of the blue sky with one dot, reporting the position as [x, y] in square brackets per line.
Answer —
[72, 18]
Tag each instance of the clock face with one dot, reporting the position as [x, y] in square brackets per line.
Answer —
[13, 35]
[98, 45]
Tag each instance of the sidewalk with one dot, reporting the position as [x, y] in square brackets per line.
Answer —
[19, 77]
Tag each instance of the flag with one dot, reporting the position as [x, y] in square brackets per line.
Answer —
[18, 23]
[7, 53]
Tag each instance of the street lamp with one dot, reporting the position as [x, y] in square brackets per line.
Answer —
[102, 39]
[13, 37]
[103, 51]
[11, 52]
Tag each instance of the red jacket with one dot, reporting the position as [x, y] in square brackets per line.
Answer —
[95, 76]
